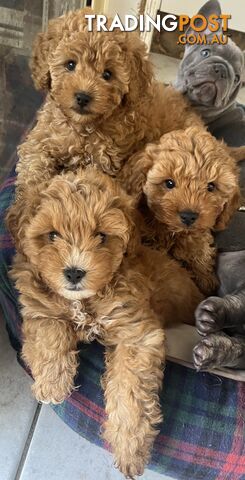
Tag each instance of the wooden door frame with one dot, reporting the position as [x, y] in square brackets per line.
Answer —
[100, 6]
[151, 8]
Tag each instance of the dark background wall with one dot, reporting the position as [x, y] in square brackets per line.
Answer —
[20, 20]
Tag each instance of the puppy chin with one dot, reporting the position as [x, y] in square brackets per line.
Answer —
[76, 294]
[180, 228]
[81, 117]
[174, 228]
[204, 94]
[192, 229]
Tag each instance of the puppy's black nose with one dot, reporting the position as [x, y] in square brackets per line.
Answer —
[74, 275]
[83, 99]
[188, 217]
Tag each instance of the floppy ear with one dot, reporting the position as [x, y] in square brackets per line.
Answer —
[141, 77]
[19, 215]
[132, 217]
[130, 231]
[133, 233]
[44, 44]
[134, 173]
[229, 209]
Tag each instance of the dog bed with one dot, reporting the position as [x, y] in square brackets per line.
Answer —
[202, 433]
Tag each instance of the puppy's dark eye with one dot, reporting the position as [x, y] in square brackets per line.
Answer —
[53, 235]
[169, 183]
[205, 52]
[102, 237]
[237, 78]
[107, 75]
[211, 186]
[70, 65]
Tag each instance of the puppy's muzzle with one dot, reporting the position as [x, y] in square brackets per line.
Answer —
[220, 71]
[82, 99]
[74, 275]
[207, 72]
[188, 217]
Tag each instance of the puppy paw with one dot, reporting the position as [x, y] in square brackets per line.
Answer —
[204, 357]
[51, 393]
[214, 351]
[131, 467]
[210, 315]
[131, 448]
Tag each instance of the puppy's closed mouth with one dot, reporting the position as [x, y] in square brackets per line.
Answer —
[75, 288]
[82, 111]
[205, 92]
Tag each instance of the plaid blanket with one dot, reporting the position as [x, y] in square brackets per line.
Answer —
[202, 436]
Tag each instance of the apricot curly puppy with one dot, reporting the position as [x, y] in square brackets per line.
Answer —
[83, 275]
[187, 188]
[102, 102]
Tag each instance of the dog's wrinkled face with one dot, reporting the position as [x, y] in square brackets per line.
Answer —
[78, 236]
[210, 73]
[90, 76]
[192, 185]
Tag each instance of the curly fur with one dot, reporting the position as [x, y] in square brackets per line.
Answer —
[128, 294]
[125, 113]
[192, 159]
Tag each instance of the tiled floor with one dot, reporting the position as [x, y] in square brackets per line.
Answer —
[17, 409]
[34, 443]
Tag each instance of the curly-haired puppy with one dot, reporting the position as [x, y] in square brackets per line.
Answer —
[102, 101]
[187, 187]
[82, 276]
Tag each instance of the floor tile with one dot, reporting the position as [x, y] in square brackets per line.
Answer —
[17, 408]
[58, 453]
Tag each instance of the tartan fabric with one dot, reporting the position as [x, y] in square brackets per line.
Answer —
[202, 436]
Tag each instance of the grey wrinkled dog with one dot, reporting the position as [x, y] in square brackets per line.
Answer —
[210, 75]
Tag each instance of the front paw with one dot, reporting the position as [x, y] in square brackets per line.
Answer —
[205, 355]
[131, 448]
[131, 466]
[210, 315]
[55, 393]
[215, 351]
